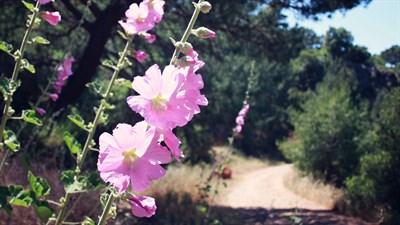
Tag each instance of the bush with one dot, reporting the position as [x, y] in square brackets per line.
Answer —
[328, 131]
[378, 180]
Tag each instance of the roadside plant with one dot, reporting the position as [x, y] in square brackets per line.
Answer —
[130, 157]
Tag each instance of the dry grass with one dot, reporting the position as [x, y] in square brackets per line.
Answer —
[314, 190]
[183, 178]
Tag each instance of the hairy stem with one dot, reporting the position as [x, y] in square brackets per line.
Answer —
[14, 77]
[107, 208]
[63, 208]
[101, 108]
[187, 31]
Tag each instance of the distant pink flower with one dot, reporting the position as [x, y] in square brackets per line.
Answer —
[156, 9]
[44, 1]
[140, 56]
[52, 17]
[142, 206]
[54, 97]
[131, 155]
[158, 101]
[241, 117]
[149, 37]
[64, 71]
[41, 111]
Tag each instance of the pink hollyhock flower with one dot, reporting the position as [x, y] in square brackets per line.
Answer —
[142, 206]
[64, 71]
[137, 19]
[54, 97]
[149, 37]
[240, 120]
[172, 142]
[238, 129]
[131, 155]
[140, 56]
[52, 17]
[158, 101]
[241, 116]
[156, 9]
[41, 111]
[44, 1]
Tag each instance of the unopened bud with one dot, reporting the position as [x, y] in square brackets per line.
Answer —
[203, 32]
[205, 7]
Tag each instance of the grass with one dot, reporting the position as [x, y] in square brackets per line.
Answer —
[312, 189]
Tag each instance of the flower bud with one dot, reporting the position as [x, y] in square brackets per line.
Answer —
[203, 32]
[205, 7]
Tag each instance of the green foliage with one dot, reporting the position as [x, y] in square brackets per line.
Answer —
[376, 181]
[327, 133]
[31, 117]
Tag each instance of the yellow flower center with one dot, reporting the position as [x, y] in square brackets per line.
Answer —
[159, 103]
[130, 156]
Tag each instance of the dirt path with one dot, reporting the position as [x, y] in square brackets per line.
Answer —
[261, 198]
[264, 188]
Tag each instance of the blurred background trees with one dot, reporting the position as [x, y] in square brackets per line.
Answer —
[331, 106]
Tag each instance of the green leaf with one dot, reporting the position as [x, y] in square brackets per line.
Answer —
[30, 117]
[88, 221]
[26, 65]
[73, 145]
[20, 197]
[77, 120]
[201, 208]
[40, 40]
[108, 63]
[94, 182]
[5, 47]
[122, 82]
[72, 184]
[107, 105]
[4, 193]
[28, 5]
[122, 34]
[39, 185]
[95, 87]
[4, 88]
[10, 139]
[43, 210]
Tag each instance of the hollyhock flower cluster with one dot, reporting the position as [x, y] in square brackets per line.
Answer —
[241, 116]
[64, 71]
[52, 17]
[142, 17]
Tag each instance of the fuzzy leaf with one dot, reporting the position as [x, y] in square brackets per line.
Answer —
[77, 120]
[10, 139]
[30, 117]
[72, 184]
[40, 40]
[26, 65]
[28, 5]
[108, 63]
[20, 196]
[95, 87]
[39, 185]
[43, 210]
[5, 47]
[73, 145]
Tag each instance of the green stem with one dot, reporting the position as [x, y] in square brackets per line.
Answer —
[14, 77]
[63, 208]
[107, 208]
[187, 31]
[3, 161]
[101, 108]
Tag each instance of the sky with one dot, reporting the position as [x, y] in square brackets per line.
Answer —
[375, 26]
